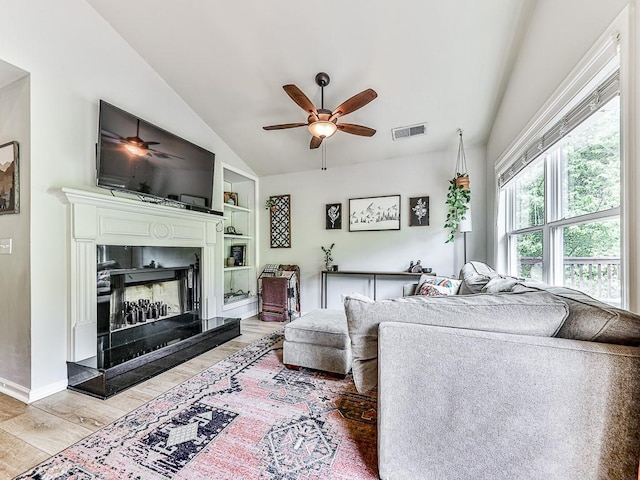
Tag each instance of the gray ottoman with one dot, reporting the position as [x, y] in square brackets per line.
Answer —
[318, 340]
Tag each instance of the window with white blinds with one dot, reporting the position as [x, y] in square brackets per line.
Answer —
[561, 199]
[604, 92]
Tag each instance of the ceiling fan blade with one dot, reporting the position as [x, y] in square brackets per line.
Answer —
[300, 98]
[354, 103]
[108, 134]
[315, 142]
[356, 129]
[159, 154]
[284, 125]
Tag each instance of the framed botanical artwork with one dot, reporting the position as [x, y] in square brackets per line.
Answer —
[237, 252]
[9, 178]
[419, 211]
[280, 221]
[374, 213]
[333, 216]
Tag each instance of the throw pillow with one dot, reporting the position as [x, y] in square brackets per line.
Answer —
[500, 284]
[474, 276]
[430, 290]
[443, 285]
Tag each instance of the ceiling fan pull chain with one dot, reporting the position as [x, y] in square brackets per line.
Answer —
[324, 155]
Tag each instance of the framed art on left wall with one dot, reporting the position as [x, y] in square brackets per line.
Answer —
[9, 178]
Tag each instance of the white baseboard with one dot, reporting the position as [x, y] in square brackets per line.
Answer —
[47, 390]
[26, 395]
[14, 390]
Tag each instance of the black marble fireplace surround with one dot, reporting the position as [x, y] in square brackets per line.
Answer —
[148, 318]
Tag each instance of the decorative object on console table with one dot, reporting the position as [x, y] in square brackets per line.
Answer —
[459, 194]
[280, 222]
[333, 218]
[417, 268]
[238, 254]
[328, 257]
[231, 198]
[374, 213]
[9, 178]
[419, 211]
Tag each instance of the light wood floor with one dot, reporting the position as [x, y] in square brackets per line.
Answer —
[29, 434]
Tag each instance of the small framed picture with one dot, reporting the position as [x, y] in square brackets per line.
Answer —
[333, 216]
[193, 200]
[238, 254]
[9, 178]
[419, 211]
[231, 198]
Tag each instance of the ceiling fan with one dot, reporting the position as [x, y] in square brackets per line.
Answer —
[323, 123]
[136, 145]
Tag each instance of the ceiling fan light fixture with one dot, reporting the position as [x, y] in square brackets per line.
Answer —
[322, 128]
[136, 149]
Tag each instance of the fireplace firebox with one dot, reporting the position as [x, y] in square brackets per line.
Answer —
[148, 317]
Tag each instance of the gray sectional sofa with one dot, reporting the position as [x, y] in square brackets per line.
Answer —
[507, 380]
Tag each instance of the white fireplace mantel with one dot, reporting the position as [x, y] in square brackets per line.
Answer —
[99, 219]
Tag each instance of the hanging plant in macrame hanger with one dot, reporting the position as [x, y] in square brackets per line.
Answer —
[462, 174]
[459, 194]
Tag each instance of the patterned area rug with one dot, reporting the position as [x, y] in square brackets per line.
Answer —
[247, 417]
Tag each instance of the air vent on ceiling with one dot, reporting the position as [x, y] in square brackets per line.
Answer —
[411, 131]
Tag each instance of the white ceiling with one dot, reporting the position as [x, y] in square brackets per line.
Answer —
[444, 62]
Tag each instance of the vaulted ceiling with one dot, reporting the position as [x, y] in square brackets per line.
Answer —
[443, 62]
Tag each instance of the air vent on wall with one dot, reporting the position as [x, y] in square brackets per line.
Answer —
[411, 131]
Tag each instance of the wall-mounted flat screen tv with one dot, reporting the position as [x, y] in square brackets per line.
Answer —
[137, 157]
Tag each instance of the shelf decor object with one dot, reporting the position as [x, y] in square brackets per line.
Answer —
[280, 221]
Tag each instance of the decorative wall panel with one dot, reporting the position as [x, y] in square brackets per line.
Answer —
[280, 231]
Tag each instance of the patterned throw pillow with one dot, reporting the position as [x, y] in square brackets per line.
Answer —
[430, 290]
[438, 286]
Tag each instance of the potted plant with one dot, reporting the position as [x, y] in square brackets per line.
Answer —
[458, 198]
[328, 258]
[459, 194]
[270, 204]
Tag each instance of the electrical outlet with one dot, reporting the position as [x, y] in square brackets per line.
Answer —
[6, 246]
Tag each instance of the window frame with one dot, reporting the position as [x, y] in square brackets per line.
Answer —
[554, 221]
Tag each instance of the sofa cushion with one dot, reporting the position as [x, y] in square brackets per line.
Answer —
[319, 327]
[474, 276]
[592, 320]
[528, 313]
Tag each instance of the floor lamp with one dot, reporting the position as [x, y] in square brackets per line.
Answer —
[465, 226]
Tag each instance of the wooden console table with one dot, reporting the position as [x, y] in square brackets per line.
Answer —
[374, 275]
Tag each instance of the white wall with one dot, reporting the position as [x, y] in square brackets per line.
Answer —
[377, 251]
[15, 349]
[74, 58]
